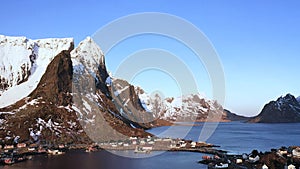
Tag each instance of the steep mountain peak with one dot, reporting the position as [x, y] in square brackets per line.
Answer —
[89, 53]
[284, 109]
[88, 59]
[287, 98]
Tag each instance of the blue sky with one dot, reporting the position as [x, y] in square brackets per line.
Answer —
[258, 41]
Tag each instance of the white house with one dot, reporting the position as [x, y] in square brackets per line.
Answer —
[291, 166]
[296, 152]
[264, 167]
[254, 159]
[132, 138]
[282, 152]
[183, 145]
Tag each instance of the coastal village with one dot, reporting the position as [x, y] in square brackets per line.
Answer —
[282, 158]
[19, 152]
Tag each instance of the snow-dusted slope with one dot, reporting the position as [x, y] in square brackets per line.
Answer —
[86, 58]
[286, 109]
[298, 99]
[188, 107]
[23, 63]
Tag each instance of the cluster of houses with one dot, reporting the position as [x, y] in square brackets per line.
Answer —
[23, 147]
[10, 154]
[149, 143]
[293, 151]
[288, 158]
[152, 143]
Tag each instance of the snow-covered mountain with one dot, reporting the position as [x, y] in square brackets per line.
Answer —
[23, 63]
[298, 99]
[193, 107]
[284, 110]
[51, 91]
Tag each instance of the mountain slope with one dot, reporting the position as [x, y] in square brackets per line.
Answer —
[43, 114]
[23, 63]
[71, 102]
[93, 98]
[234, 117]
[284, 110]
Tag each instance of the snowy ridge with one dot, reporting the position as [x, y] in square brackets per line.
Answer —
[286, 109]
[288, 100]
[87, 55]
[172, 108]
[144, 98]
[298, 99]
[86, 58]
[23, 63]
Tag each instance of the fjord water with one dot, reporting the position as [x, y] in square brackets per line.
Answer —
[235, 137]
[239, 137]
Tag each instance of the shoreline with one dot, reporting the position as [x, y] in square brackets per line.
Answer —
[10, 154]
[217, 155]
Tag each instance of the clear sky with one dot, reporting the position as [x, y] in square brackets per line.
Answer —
[258, 41]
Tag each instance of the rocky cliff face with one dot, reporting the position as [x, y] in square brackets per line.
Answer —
[62, 94]
[44, 114]
[284, 110]
[192, 107]
[100, 111]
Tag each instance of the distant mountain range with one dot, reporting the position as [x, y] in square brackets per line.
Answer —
[193, 107]
[284, 110]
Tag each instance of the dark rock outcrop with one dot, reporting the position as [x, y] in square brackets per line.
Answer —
[43, 112]
[284, 110]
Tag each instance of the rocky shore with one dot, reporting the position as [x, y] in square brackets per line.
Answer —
[282, 158]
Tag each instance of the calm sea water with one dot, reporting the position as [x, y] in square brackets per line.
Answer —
[236, 137]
